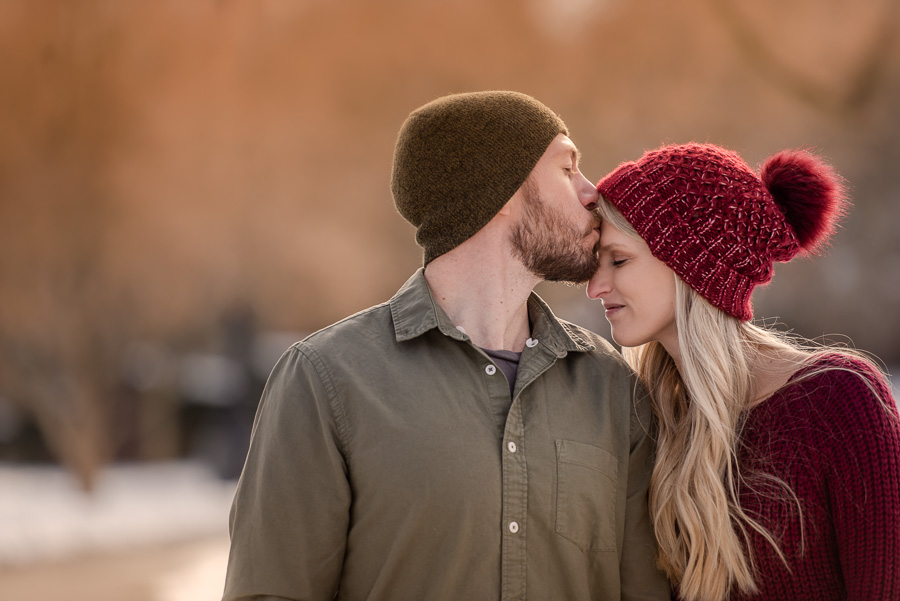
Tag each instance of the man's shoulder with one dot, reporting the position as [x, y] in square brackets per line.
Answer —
[373, 323]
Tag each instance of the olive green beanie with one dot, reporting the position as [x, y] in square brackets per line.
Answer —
[460, 158]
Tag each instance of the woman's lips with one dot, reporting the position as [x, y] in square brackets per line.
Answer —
[611, 309]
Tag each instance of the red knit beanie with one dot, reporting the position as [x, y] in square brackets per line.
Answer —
[719, 225]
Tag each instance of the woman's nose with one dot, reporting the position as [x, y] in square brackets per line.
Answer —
[598, 286]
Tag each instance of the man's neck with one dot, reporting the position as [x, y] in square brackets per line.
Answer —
[485, 293]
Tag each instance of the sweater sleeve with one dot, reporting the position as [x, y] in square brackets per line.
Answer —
[864, 484]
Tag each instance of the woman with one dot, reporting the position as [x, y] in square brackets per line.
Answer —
[778, 464]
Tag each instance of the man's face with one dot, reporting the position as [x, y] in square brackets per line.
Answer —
[557, 234]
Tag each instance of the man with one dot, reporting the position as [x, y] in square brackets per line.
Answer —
[458, 442]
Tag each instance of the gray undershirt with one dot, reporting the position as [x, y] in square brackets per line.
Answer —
[508, 362]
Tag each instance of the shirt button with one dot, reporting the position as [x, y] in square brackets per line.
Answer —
[490, 370]
[531, 342]
[513, 527]
[511, 446]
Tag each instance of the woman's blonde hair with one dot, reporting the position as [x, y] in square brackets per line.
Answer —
[702, 531]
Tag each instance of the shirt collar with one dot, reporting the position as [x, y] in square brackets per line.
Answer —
[415, 312]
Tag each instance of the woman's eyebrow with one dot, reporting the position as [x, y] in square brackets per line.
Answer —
[611, 246]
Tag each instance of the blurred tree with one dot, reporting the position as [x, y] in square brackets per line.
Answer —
[844, 97]
[163, 162]
[60, 326]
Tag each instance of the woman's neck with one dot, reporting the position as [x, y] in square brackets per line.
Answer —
[771, 371]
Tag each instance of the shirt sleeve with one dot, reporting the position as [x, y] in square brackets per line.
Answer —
[641, 580]
[864, 487]
[290, 513]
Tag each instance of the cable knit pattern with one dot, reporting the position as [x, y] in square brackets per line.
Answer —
[838, 447]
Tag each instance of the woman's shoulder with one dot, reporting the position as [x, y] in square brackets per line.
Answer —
[834, 405]
[837, 389]
[838, 371]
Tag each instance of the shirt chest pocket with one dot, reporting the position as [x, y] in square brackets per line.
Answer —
[586, 495]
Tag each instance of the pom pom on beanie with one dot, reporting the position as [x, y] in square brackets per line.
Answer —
[809, 192]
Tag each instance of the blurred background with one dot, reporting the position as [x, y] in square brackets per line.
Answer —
[189, 186]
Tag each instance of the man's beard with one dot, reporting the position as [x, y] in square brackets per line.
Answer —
[550, 248]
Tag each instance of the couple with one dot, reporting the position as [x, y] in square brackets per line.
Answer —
[460, 442]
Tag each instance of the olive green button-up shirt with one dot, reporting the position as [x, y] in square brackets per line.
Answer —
[388, 462]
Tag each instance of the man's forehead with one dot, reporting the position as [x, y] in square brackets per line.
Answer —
[562, 145]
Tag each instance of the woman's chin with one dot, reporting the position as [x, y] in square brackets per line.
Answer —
[620, 341]
[624, 340]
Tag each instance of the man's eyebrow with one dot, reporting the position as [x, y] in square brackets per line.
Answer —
[576, 156]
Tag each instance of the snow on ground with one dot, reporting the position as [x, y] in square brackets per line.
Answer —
[45, 516]
[200, 578]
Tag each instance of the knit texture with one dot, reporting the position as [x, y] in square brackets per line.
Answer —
[460, 158]
[838, 448]
[706, 214]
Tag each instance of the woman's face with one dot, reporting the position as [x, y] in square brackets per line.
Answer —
[637, 291]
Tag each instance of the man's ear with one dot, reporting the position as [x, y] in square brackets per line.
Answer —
[515, 198]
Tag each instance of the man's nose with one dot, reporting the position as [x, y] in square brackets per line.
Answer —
[588, 194]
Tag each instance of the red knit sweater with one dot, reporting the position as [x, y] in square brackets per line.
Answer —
[838, 448]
